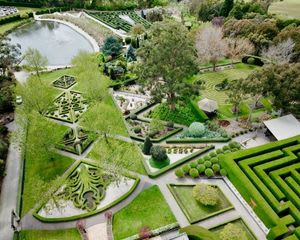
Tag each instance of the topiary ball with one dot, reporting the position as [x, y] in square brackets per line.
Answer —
[207, 164]
[216, 167]
[186, 168]
[201, 168]
[194, 173]
[214, 160]
[196, 130]
[200, 160]
[193, 164]
[179, 173]
[209, 172]
[223, 172]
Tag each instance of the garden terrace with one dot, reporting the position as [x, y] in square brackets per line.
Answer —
[76, 140]
[86, 190]
[193, 210]
[68, 107]
[64, 82]
[120, 20]
[268, 178]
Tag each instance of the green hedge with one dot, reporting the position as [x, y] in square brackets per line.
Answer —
[87, 214]
[197, 140]
[198, 233]
[20, 4]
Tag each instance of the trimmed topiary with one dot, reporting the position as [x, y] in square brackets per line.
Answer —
[219, 150]
[233, 232]
[186, 168]
[206, 194]
[158, 153]
[196, 130]
[209, 172]
[201, 168]
[194, 173]
[193, 164]
[206, 158]
[214, 160]
[216, 167]
[179, 172]
[212, 154]
[207, 164]
[200, 160]
[147, 146]
[223, 172]
[225, 148]
[227, 151]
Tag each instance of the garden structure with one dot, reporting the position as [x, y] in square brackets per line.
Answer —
[268, 179]
[68, 107]
[64, 82]
[120, 20]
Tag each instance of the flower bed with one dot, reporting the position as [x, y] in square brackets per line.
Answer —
[120, 20]
[68, 107]
[86, 190]
[64, 82]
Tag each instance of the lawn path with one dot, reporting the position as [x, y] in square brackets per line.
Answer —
[9, 193]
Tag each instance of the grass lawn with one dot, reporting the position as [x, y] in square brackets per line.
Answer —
[238, 222]
[66, 234]
[131, 156]
[8, 26]
[149, 209]
[23, 10]
[194, 210]
[39, 165]
[221, 62]
[286, 8]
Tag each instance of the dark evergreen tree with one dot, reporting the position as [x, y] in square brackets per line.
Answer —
[130, 56]
[147, 146]
[112, 47]
[227, 7]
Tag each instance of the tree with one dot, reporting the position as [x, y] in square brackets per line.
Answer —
[209, 9]
[147, 146]
[238, 47]
[9, 54]
[112, 47]
[210, 45]
[156, 125]
[158, 153]
[130, 55]
[206, 194]
[137, 30]
[280, 53]
[235, 95]
[226, 8]
[35, 60]
[167, 58]
[232, 232]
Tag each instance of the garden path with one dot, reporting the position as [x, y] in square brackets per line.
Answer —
[9, 193]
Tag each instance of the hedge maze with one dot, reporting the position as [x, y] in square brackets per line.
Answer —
[68, 107]
[116, 19]
[268, 177]
[64, 82]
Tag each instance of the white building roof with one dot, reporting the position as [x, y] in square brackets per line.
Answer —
[283, 127]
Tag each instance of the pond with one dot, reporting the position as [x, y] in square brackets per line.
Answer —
[56, 41]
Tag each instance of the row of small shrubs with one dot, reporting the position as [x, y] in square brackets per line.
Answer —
[14, 18]
[244, 131]
[207, 165]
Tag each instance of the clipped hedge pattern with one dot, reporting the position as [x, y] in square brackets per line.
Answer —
[268, 177]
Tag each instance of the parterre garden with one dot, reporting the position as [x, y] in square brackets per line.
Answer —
[268, 178]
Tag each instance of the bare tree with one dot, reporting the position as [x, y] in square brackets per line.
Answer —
[237, 47]
[281, 53]
[210, 45]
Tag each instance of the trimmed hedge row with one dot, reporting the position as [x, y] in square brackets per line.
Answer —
[197, 140]
[260, 176]
[14, 18]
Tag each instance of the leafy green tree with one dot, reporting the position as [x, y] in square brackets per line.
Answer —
[112, 47]
[147, 146]
[232, 232]
[35, 60]
[235, 95]
[226, 8]
[167, 58]
[206, 194]
[207, 10]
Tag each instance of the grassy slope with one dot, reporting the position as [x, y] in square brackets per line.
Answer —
[8, 26]
[149, 208]
[194, 209]
[286, 8]
[66, 234]
[132, 155]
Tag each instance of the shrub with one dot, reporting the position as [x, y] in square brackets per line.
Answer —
[186, 168]
[212, 154]
[137, 129]
[2, 167]
[223, 172]
[219, 150]
[232, 232]
[194, 173]
[158, 153]
[206, 194]
[225, 148]
[147, 146]
[206, 158]
[196, 130]
[193, 164]
[209, 172]
[112, 47]
[170, 124]
[201, 168]
[227, 151]
[234, 149]
[214, 160]
[133, 116]
[201, 160]
[220, 156]
[216, 167]
[3, 148]
[127, 40]
[179, 172]
[251, 60]
[207, 164]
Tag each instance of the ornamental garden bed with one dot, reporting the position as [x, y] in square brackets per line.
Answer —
[86, 190]
[76, 140]
[64, 82]
[238, 223]
[194, 210]
[155, 129]
[120, 20]
[68, 107]
[176, 156]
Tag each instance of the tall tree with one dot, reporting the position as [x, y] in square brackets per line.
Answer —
[35, 60]
[210, 45]
[235, 96]
[227, 7]
[238, 47]
[9, 55]
[280, 53]
[112, 47]
[167, 58]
